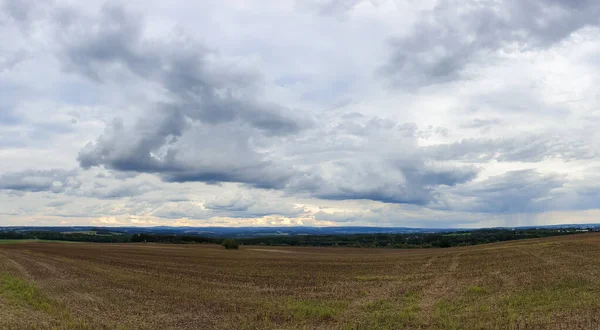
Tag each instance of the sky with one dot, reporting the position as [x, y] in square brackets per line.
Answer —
[447, 113]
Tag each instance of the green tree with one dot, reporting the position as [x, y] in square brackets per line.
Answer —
[230, 244]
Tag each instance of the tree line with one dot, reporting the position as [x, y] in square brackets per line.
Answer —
[409, 240]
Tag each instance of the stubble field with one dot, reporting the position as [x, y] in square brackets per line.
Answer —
[531, 284]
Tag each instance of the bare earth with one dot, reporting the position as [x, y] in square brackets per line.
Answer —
[532, 284]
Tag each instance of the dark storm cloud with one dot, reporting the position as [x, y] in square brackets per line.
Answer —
[453, 34]
[56, 181]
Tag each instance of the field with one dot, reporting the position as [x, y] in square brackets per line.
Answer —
[14, 241]
[529, 284]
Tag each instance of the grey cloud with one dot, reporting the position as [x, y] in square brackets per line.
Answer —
[7, 116]
[9, 60]
[436, 176]
[202, 85]
[20, 134]
[254, 203]
[121, 191]
[447, 38]
[408, 182]
[213, 129]
[379, 159]
[8, 113]
[213, 126]
[206, 153]
[336, 7]
[55, 180]
[130, 149]
[579, 193]
[227, 155]
[579, 196]
[512, 192]
[399, 215]
[430, 132]
[208, 98]
[44, 131]
[251, 205]
[343, 217]
[57, 203]
[181, 210]
[258, 176]
[517, 149]
[76, 209]
[18, 10]
[333, 7]
[21, 11]
[229, 205]
[116, 175]
[482, 123]
[191, 114]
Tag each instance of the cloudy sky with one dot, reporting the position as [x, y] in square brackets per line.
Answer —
[433, 113]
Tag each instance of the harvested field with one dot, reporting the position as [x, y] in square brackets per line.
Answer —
[540, 283]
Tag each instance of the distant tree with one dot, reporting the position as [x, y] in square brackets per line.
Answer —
[444, 243]
[230, 244]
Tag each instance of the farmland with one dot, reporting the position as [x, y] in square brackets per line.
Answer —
[537, 283]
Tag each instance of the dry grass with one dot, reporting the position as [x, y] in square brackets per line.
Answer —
[533, 284]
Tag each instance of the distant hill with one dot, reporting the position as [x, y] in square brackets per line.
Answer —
[249, 232]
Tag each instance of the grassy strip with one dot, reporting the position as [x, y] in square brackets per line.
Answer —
[19, 292]
[315, 309]
[392, 313]
[534, 307]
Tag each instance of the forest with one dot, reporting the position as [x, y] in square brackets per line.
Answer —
[407, 240]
